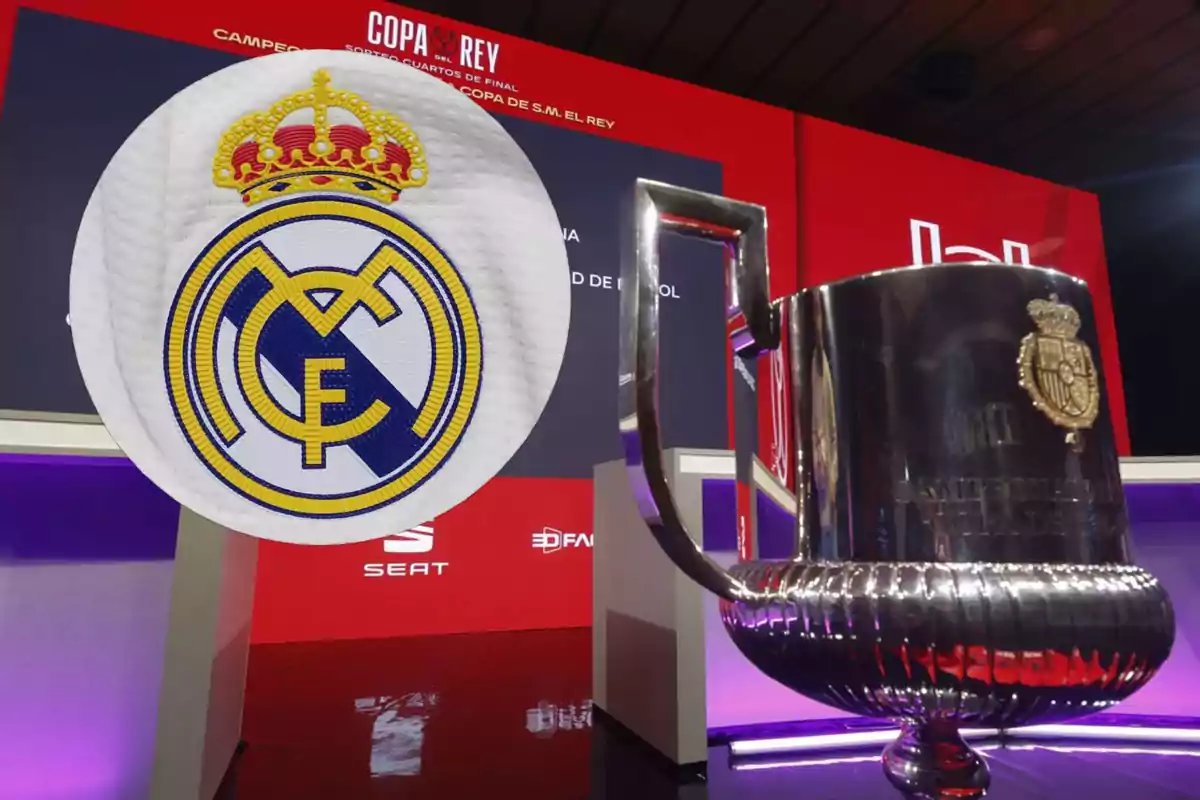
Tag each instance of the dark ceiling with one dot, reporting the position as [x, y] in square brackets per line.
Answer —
[1075, 91]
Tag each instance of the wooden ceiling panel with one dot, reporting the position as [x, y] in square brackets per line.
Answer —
[991, 23]
[763, 38]
[568, 25]
[1083, 137]
[1171, 118]
[1123, 110]
[1180, 133]
[1061, 88]
[918, 25]
[698, 35]
[1102, 44]
[1136, 66]
[631, 28]
[1162, 131]
[1018, 54]
[834, 39]
[904, 105]
[1114, 159]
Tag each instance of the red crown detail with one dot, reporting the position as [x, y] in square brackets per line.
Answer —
[263, 158]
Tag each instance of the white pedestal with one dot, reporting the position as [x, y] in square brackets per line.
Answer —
[199, 647]
[648, 618]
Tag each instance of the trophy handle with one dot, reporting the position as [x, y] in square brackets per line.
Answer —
[742, 229]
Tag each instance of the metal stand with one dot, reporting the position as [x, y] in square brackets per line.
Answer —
[931, 761]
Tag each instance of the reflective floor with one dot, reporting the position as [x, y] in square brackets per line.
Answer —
[507, 715]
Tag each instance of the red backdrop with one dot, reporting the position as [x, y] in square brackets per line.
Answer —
[517, 554]
[861, 193]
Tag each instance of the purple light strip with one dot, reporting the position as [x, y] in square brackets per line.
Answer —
[1109, 728]
[834, 741]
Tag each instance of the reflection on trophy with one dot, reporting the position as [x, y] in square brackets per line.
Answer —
[961, 545]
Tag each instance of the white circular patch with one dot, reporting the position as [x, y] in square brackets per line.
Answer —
[320, 297]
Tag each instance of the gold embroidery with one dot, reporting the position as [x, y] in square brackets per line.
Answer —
[1057, 370]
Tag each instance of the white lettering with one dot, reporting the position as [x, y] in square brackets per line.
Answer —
[406, 36]
[570, 235]
[434, 69]
[508, 87]
[408, 33]
[595, 281]
[477, 54]
[551, 540]
[374, 28]
[480, 94]
[376, 53]
[468, 55]
[401, 569]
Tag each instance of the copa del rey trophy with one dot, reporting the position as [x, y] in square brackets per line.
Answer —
[962, 553]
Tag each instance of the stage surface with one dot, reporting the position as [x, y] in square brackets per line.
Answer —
[507, 715]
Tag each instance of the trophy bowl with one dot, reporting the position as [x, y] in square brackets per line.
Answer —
[961, 546]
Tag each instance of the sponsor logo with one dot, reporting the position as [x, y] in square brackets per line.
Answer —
[927, 248]
[551, 540]
[416, 540]
[440, 43]
[548, 719]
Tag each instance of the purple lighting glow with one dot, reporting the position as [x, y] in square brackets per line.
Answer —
[86, 549]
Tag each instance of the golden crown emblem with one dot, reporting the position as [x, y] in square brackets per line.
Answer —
[1054, 318]
[263, 158]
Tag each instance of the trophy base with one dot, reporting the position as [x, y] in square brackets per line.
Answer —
[930, 761]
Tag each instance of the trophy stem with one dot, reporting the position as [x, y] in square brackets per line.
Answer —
[930, 761]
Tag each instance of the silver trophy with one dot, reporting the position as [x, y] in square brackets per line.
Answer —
[961, 548]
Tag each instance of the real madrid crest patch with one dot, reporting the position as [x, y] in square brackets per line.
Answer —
[320, 297]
